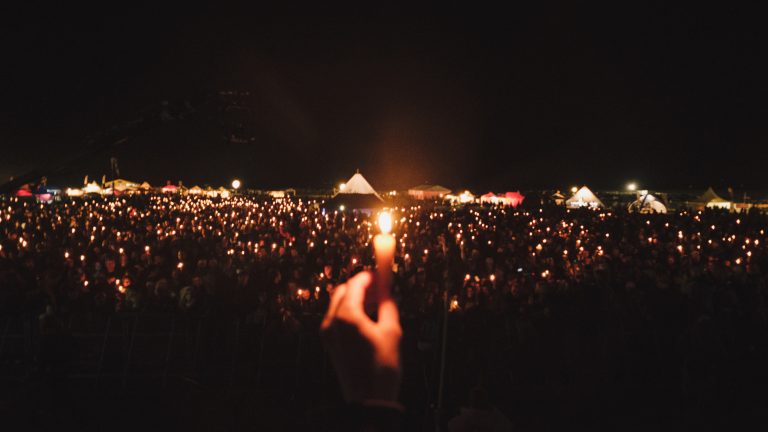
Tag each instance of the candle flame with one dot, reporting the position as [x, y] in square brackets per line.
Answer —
[385, 222]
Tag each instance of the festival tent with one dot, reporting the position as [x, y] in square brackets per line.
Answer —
[558, 198]
[145, 186]
[195, 190]
[92, 188]
[465, 197]
[583, 198]
[489, 198]
[513, 199]
[710, 199]
[647, 203]
[74, 192]
[169, 188]
[46, 194]
[121, 185]
[357, 193]
[358, 185]
[428, 192]
[24, 191]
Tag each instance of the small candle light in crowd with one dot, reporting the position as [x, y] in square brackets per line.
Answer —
[680, 248]
[467, 277]
[82, 257]
[384, 248]
[492, 277]
[121, 251]
[454, 305]
[146, 249]
[66, 255]
[738, 261]
[180, 265]
[354, 261]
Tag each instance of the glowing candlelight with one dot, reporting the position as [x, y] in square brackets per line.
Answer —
[384, 247]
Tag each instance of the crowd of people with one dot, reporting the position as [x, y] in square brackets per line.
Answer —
[598, 316]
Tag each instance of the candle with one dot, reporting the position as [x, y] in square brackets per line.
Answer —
[384, 247]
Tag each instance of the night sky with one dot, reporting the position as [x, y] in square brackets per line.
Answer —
[540, 96]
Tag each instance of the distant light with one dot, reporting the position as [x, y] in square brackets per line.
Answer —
[574, 189]
[632, 186]
[236, 184]
[341, 207]
[342, 186]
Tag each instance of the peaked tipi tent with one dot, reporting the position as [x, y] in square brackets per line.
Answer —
[356, 193]
[558, 198]
[583, 198]
[711, 199]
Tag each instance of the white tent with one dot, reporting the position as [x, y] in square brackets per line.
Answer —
[426, 191]
[92, 187]
[465, 197]
[356, 193]
[74, 192]
[647, 203]
[711, 199]
[121, 185]
[583, 198]
[357, 184]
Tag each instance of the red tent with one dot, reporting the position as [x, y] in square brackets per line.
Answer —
[24, 192]
[169, 188]
[514, 199]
